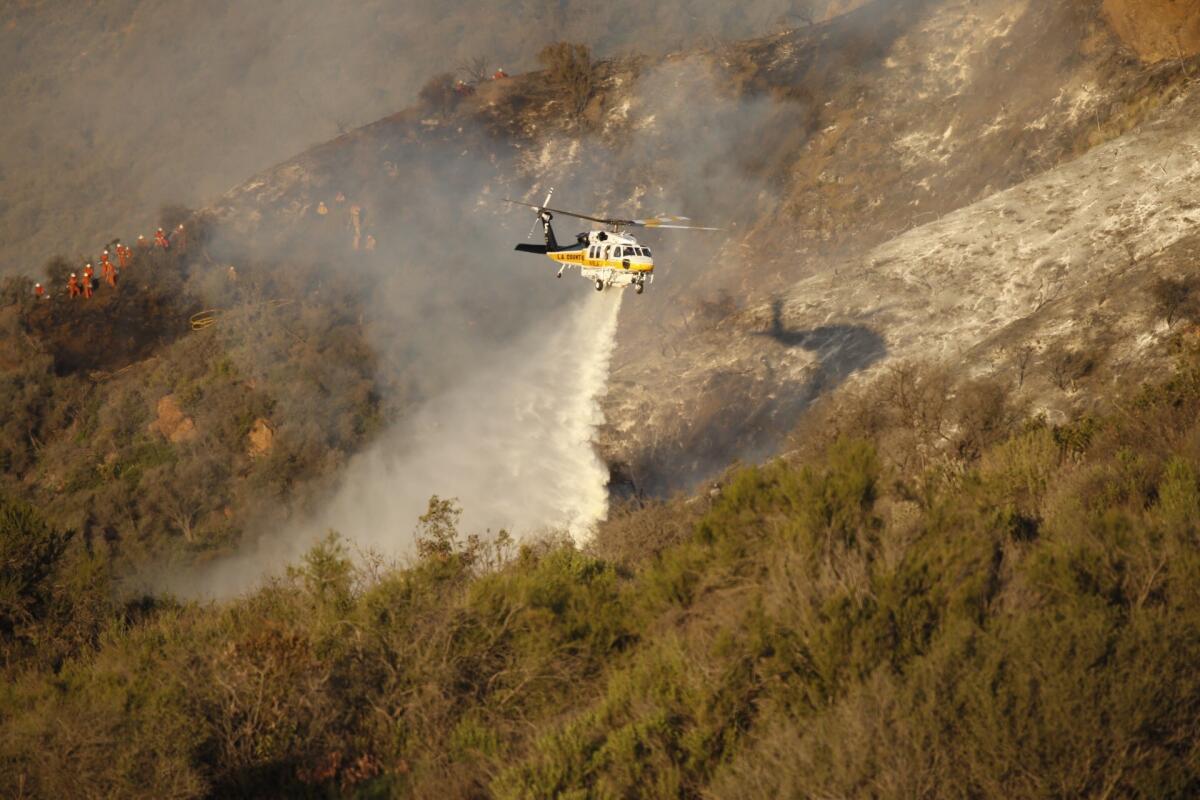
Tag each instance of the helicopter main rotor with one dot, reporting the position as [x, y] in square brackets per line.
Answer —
[614, 224]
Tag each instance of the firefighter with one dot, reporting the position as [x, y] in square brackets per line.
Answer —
[88, 272]
[322, 209]
[87, 286]
[108, 271]
[123, 255]
[142, 244]
[73, 286]
[39, 291]
[180, 238]
[160, 239]
[499, 74]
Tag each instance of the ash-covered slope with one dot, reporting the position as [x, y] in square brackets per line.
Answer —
[967, 101]
[1060, 263]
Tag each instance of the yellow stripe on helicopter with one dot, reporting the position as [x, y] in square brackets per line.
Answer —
[621, 271]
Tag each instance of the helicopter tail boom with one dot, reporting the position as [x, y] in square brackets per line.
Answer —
[544, 215]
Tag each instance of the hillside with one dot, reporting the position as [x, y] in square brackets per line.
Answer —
[117, 107]
[888, 489]
[885, 210]
[943, 111]
[947, 157]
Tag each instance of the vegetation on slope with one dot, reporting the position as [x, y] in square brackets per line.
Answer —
[957, 600]
[87, 384]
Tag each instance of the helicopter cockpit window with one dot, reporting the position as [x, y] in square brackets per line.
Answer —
[647, 249]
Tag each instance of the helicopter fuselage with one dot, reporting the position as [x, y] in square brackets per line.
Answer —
[609, 257]
[606, 258]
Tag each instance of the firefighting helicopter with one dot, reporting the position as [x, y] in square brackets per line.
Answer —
[607, 257]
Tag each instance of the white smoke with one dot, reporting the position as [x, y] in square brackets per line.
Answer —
[512, 443]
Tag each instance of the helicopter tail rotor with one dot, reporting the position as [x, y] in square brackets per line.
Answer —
[543, 216]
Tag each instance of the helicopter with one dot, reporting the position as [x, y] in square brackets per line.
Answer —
[607, 257]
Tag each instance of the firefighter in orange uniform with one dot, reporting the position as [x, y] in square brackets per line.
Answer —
[87, 286]
[39, 291]
[123, 255]
[108, 270]
[160, 239]
[73, 286]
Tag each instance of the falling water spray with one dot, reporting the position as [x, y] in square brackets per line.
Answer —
[512, 443]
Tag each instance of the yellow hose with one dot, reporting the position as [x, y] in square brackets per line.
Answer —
[209, 316]
[203, 319]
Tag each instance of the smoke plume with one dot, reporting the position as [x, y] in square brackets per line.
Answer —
[115, 107]
[513, 444]
[513, 364]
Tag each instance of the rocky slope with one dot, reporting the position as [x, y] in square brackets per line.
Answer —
[1099, 150]
[1059, 263]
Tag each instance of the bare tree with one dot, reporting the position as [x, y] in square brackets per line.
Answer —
[1068, 365]
[183, 491]
[569, 69]
[1174, 297]
[475, 70]
[1023, 358]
